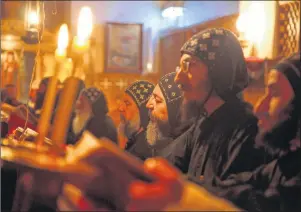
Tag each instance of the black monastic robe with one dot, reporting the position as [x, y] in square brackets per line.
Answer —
[272, 187]
[219, 145]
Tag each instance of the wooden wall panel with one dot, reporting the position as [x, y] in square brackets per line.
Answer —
[227, 22]
[170, 51]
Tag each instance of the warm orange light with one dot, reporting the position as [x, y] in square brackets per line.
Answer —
[241, 23]
[253, 22]
[63, 38]
[84, 26]
[62, 42]
[33, 18]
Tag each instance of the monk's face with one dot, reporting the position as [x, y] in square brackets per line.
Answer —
[83, 105]
[157, 106]
[275, 106]
[158, 126]
[192, 75]
[128, 109]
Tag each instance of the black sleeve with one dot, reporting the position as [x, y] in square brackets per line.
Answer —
[242, 156]
[181, 150]
[262, 189]
[280, 198]
[248, 198]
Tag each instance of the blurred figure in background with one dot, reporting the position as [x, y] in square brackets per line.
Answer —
[40, 96]
[10, 95]
[134, 118]
[91, 114]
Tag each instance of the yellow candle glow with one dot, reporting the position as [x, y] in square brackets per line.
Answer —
[62, 42]
[84, 29]
[33, 18]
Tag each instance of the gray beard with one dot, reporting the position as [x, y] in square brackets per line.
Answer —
[153, 133]
[127, 128]
[79, 122]
[156, 131]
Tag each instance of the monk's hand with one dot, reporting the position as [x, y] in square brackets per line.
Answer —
[155, 196]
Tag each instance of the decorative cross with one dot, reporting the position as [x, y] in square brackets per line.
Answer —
[121, 84]
[106, 83]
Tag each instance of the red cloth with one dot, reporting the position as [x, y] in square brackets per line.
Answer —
[16, 121]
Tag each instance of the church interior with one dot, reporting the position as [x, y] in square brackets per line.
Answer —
[109, 45]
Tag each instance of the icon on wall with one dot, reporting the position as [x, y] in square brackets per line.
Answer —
[9, 68]
[123, 48]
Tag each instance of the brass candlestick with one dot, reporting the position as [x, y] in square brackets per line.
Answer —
[80, 45]
[49, 101]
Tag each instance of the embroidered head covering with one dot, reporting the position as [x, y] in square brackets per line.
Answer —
[220, 50]
[140, 91]
[173, 97]
[97, 99]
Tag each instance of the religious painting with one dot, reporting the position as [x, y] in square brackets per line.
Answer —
[9, 68]
[123, 48]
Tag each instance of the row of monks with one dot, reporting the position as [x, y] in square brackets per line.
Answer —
[203, 146]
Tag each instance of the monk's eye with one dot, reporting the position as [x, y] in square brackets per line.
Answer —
[158, 100]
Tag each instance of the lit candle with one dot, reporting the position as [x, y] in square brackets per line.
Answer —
[68, 96]
[62, 43]
[84, 30]
[49, 100]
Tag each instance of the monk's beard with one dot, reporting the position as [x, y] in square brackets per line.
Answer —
[128, 128]
[79, 122]
[156, 130]
[279, 138]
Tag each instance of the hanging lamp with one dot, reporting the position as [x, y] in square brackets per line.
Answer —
[33, 21]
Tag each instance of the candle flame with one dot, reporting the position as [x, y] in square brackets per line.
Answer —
[33, 18]
[63, 38]
[85, 25]
[252, 22]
